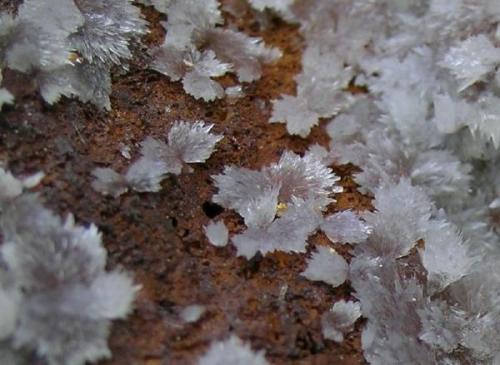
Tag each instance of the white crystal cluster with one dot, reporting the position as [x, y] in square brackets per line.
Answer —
[217, 233]
[198, 49]
[320, 93]
[232, 351]
[281, 204]
[328, 266]
[56, 298]
[340, 320]
[184, 143]
[426, 135]
[70, 46]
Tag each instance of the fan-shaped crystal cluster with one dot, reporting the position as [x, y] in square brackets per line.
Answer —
[197, 49]
[425, 134]
[70, 46]
[185, 143]
[56, 298]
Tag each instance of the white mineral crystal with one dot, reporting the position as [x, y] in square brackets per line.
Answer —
[217, 233]
[340, 319]
[345, 227]
[232, 351]
[328, 266]
[192, 313]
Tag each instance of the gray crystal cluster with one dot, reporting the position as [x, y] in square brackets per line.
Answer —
[281, 204]
[70, 46]
[425, 134]
[56, 297]
[184, 143]
[197, 49]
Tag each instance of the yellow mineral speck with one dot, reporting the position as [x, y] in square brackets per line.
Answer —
[74, 58]
[281, 208]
